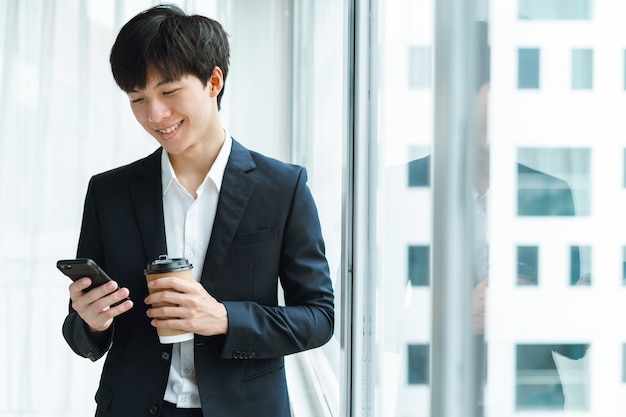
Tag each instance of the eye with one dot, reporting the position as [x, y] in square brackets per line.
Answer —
[168, 92]
[136, 100]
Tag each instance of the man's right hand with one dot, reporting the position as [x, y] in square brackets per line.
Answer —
[94, 306]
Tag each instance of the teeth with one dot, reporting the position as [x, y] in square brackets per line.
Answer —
[170, 129]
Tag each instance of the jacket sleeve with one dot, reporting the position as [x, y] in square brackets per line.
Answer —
[307, 319]
[74, 329]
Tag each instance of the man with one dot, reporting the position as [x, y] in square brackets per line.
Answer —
[538, 194]
[246, 222]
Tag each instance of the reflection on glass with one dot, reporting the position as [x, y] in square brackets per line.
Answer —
[540, 193]
[555, 9]
[419, 266]
[418, 364]
[582, 69]
[527, 265]
[538, 385]
[528, 68]
[420, 58]
[624, 265]
[580, 262]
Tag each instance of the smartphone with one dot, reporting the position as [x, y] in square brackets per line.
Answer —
[85, 267]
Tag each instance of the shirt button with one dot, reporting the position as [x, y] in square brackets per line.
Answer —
[187, 371]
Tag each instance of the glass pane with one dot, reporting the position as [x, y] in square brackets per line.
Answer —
[527, 265]
[582, 69]
[555, 9]
[420, 59]
[418, 364]
[528, 68]
[318, 138]
[403, 199]
[554, 199]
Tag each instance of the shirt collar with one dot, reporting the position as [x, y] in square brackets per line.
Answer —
[216, 173]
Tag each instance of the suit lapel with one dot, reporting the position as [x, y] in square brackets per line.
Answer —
[237, 187]
[146, 195]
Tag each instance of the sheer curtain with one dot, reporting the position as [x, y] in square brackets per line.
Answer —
[63, 119]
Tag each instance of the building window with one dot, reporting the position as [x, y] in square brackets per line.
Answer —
[418, 364]
[625, 74]
[527, 265]
[419, 266]
[420, 66]
[582, 69]
[528, 68]
[554, 9]
[538, 385]
[419, 172]
[624, 162]
[624, 363]
[554, 182]
[623, 265]
[580, 265]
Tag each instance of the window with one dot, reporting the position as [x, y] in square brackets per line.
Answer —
[624, 72]
[419, 172]
[527, 265]
[538, 384]
[624, 363]
[553, 182]
[420, 66]
[624, 265]
[554, 9]
[580, 265]
[528, 68]
[419, 266]
[418, 358]
[582, 69]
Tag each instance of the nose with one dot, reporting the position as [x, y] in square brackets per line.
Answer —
[157, 111]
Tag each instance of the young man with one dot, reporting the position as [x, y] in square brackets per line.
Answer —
[246, 222]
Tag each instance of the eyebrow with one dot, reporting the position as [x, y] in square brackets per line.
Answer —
[160, 83]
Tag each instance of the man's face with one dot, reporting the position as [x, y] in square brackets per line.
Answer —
[179, 114]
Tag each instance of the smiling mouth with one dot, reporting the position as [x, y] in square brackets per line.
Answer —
[170, 129]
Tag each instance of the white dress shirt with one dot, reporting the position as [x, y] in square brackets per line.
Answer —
[188, 226]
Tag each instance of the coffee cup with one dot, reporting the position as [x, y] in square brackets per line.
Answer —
[169, 267]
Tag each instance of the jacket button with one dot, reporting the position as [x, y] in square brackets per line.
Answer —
[153, 410]
[165, 356]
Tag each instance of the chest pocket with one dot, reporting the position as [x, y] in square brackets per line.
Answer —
[254, 245]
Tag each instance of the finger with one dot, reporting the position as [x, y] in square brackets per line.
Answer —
[77, 287]
[174, 283]
[100, 315]
[167, 296]
[166, 312]
[169, 323]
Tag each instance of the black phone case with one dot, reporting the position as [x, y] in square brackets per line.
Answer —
[85, 267]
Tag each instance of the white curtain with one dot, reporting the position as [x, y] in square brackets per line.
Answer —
[62, 119]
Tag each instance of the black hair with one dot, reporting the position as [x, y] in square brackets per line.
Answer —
[173, 43]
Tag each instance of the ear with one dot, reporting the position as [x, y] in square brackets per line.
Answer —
[216, 81]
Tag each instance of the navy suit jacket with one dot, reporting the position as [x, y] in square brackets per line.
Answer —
[266, 232]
